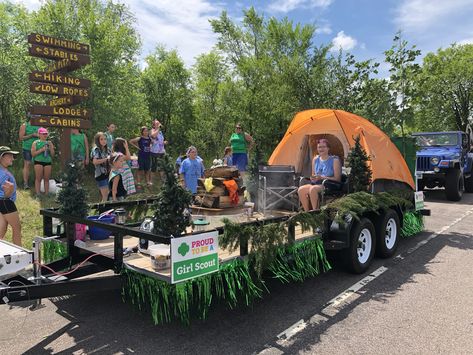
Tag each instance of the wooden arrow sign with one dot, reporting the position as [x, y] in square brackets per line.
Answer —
[53, 89]
[61, 111]
[64, 101]
[35, 38]
[56, 78]
[63, 65]
[61, 122]
[58, 53]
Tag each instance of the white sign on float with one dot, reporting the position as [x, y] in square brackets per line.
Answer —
[194, 256]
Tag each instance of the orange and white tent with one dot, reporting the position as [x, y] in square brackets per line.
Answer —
[298, 146]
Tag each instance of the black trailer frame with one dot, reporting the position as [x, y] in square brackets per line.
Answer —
[82, 280]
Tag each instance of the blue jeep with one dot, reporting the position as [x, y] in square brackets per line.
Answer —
[444, 159]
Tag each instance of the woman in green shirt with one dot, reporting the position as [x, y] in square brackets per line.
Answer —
[27, 135]
[241, 142]
[42, 151]
[79, 147]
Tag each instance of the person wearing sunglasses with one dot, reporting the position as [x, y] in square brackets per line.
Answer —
[8, 212]
[241, 143]
[42, 151]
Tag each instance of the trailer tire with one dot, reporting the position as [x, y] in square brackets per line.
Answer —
[454, 185]
[360, 253]
[387, 234]
[469, 184]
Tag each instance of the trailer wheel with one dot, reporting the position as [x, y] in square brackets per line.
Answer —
[362, 244]
[454, 185]
[387, 234]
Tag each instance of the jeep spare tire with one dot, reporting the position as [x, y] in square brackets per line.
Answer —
[454, 185]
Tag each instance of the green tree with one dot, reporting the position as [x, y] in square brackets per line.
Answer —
[403, 74]
[445, 100]
[14, 68]
[166, 84]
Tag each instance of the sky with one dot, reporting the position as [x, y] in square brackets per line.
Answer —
[365, 28]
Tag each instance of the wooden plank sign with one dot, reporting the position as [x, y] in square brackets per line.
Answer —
[61, 122]
[58, 54]
[64, 101]
[53, 89]
[36, 38]
[61, 111]
[64, 65]
[56, 78]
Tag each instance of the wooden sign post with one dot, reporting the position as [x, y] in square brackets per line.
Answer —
[68, 56]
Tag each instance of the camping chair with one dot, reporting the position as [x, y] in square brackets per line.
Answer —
[332, 189]
[277, 188]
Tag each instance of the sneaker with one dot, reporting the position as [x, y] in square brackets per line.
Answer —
[26, 187]
[150, 183]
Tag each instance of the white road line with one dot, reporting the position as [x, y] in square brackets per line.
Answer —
[339, 302]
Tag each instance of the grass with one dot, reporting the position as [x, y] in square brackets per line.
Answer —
[29, 205]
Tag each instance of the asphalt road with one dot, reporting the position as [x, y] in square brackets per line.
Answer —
[417, 303]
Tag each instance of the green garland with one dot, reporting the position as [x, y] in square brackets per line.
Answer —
[413, 223]
[299, 261]
[191, 298]
[53, 250]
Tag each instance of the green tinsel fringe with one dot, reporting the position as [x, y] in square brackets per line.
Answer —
[191, 298]
[53, 250]
[413, 224]
[300, 261]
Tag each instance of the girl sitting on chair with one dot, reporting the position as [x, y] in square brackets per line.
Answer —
[326, 168]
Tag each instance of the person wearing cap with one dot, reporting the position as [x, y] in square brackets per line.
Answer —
[8, 212]
[42, 151]
[27, 135]
[157, 145]
[192, 168]
[240, 142]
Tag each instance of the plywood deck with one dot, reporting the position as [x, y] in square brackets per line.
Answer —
[142, 261]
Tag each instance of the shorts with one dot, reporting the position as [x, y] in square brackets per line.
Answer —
[7, 206]
[240, 160]
[144, 163]
[102, 182]
[27, 155]
[41, 163]
[155, 158]
[330, 185]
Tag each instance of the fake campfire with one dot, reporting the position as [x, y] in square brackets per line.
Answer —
[221, 188]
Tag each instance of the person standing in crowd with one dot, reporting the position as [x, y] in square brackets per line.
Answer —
[109, 134]
[192, 168]
[8, 212]
[100, 155]
[115, 180]
[27, 135]
[144, 155]
[121, 146]
[157, 146]
[79, 147]
[227, 156]
[241, 143]
[42, 151]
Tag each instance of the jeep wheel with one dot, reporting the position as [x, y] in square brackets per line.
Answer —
[454, 185]
[469, 184]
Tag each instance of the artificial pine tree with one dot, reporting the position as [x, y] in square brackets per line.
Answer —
[360, 172]
[72, 198]
[170, 217]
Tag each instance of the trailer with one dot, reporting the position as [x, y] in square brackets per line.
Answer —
[230, 255]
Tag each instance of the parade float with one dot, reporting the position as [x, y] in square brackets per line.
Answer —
[174, 260]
